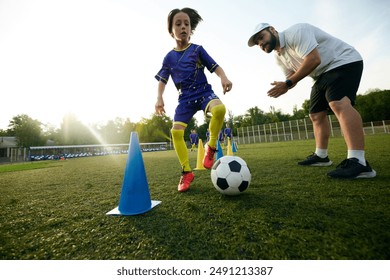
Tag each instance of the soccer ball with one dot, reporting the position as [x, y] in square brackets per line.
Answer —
[230, 175]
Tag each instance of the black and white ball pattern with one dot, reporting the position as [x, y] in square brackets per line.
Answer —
[230, 175]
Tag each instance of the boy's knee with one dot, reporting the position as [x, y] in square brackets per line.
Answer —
[218, 111]
[177, 133]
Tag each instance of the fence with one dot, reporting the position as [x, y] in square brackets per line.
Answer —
[297, 130]
[75, 151]
[16, 154]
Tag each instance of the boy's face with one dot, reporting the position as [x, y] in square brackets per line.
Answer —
[181, 28]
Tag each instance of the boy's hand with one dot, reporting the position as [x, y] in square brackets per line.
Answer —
[159, 107]
[226, 85]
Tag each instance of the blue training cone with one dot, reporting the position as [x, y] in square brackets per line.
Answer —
[135, 196]
[219, 150]
[234, 146]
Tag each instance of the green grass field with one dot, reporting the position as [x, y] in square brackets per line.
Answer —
[57, 209]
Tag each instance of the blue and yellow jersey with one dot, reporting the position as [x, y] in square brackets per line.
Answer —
[186, 68]
[228, 132]
[221, 136]
[194, 138]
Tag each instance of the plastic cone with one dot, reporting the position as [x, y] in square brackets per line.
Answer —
[229, 148]
[234, 147]
[135, 196]
[200, 156]
[219, 150]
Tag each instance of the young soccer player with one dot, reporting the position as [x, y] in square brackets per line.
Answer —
[194, 140]
[227, 132]
[185, 64]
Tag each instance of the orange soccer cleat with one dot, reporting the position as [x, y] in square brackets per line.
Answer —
[208, 159]
[185, 181]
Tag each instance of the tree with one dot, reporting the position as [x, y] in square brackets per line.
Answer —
[277, 115]
[125, 131]
[75, 132]
[306, 107]
[374, 106]
[299, 114]
[254, 116]
[113, 132]
[238, 121]
[156, 129]
[27, 131]
[3, 132]
[51, 133]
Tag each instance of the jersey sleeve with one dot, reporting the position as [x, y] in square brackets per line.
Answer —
[164, 73]
[207, 60]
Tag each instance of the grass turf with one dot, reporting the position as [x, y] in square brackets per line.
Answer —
[57, 209]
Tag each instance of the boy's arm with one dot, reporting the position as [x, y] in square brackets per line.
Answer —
[226, 83]
[159, 107]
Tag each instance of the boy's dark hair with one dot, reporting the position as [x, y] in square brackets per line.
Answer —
[195, 18]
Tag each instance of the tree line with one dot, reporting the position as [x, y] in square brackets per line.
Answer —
[374, 105]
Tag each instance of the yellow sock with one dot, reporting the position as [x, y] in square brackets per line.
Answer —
[216, 122]
[181, 149]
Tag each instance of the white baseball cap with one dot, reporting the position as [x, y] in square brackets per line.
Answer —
[258, 28]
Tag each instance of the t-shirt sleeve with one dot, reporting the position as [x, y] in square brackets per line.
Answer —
[304, 41]
[207, 60]
[164, 73]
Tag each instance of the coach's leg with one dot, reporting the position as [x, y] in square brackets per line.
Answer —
[321, 129]
[355, 166]
[352, 126]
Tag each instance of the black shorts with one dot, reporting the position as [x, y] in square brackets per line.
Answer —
[334, 85]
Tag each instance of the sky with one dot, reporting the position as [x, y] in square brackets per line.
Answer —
[96, 59]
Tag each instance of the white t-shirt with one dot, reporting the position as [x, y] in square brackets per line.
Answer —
[300, 39]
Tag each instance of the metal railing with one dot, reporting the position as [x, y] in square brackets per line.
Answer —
[298, 130]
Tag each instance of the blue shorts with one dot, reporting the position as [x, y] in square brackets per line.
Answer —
[186, 110]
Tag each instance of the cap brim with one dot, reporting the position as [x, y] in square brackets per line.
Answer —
[251, 43]
[260, 27]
